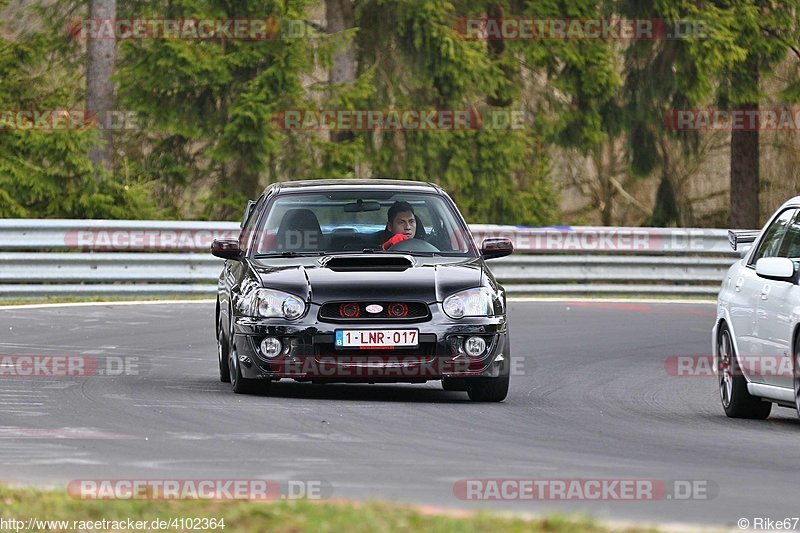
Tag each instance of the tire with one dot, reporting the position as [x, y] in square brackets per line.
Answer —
[454, 384]
[222, 355]
[736, 400]
[239, 384]
[488, 389]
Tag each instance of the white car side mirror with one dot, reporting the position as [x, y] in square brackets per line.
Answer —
[776, 268]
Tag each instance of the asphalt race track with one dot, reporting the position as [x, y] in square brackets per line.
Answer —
[590, 399]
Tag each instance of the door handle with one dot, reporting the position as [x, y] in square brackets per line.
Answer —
[765, 291]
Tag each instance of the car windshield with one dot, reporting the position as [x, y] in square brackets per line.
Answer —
[341, 222]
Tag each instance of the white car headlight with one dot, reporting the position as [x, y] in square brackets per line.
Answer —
[471, 302]
[269, 303]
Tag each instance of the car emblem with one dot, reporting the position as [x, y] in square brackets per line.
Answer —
[374, 309]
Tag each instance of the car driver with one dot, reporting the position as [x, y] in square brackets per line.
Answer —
[401, 224]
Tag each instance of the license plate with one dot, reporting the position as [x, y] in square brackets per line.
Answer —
[377, 338]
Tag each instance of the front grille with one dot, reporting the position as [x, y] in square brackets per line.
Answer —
[390, 311]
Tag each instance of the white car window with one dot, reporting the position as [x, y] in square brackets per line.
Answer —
[771, 243]
[790, 246]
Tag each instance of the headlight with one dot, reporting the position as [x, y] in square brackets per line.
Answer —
[268, 303]
[471, 302]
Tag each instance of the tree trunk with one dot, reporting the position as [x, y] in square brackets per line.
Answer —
[340, 15]
[665, 210]
[605, 193]
[497, 48]
[99, 87]
[744, 204]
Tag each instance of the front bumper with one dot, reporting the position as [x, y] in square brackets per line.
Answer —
[309, 355]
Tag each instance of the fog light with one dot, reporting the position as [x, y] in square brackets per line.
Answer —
[474, 346]
[271, 347]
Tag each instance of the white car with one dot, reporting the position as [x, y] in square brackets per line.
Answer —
[756, 339]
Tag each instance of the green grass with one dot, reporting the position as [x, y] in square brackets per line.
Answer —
[282, 516]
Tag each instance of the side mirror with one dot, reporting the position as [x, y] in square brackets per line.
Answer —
[493, 248]
[226, 249]
[775, 268]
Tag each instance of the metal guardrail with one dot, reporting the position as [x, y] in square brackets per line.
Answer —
[104, 257]
[120, 235]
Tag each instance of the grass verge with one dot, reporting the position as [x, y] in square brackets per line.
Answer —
[283, 516]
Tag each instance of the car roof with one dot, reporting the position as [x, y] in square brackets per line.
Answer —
[343, 184]
[794, 202]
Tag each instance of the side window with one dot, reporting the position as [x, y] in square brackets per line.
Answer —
[771, 243]
[790, 247]
[249, 223]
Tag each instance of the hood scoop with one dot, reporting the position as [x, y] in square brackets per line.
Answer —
[367, 262]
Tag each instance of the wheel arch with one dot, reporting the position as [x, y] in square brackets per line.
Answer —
[723, 320]
[723, 317]
[795, 335]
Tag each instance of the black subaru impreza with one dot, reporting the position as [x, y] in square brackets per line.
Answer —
[369, 281]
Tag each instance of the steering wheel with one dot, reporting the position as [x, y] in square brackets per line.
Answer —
[414, 245]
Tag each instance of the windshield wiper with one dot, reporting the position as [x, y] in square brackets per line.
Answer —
[421, 254]
[290, 254]
[351, 252]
